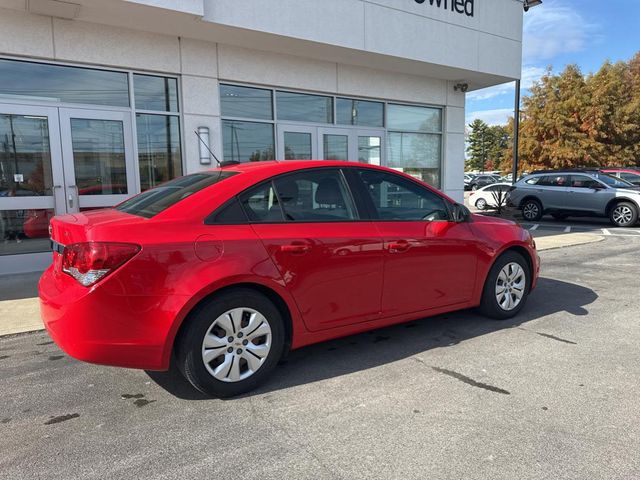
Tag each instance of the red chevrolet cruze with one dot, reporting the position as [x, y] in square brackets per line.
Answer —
[226, 270]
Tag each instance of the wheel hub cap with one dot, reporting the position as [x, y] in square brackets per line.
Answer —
[622, 215]
[236, 345]
[530, 210]
[510, 286]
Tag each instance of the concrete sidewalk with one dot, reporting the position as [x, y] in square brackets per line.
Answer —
[20, 311]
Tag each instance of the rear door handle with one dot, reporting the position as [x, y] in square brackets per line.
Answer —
[296, 248]
[399, 247]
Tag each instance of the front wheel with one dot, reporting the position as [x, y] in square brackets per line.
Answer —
[231, 344]
[507, 287]
[481, 204]
[624, 214]
[532, 210]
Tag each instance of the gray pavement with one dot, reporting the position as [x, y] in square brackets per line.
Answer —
[552, 394]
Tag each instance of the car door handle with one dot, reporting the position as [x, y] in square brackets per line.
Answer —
[399, 247]
[296, 248]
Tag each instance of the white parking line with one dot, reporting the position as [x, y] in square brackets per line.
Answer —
[534, 227]
[606, 232]
[567, 230]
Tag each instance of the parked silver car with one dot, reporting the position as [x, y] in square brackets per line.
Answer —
[568, 193]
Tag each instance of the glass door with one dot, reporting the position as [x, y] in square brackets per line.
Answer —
[335, 144]
[31, 182]
[297, 142]
[369, 146]
[99, 167]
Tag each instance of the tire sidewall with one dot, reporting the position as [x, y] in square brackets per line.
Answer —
[489, 305]
[189, 348]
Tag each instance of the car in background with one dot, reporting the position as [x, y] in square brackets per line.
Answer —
[222, 271]
[573, 193]
[487, 197]
[467, 180]
[483, 180]
[631, 175]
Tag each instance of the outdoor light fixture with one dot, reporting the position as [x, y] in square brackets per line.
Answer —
[461, 87]
[531, 3]
[203, 143]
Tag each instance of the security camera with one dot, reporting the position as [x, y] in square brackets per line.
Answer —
[461, 87]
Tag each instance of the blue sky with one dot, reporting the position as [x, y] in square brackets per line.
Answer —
[562, 32]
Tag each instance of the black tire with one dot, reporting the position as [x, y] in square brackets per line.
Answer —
[481, 204]
[624, 214]
[189, 345]
[559, 216]
[489, 305]
[532, 210]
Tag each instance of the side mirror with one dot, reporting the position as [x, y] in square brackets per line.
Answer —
[460, 213]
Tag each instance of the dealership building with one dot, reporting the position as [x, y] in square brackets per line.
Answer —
[102, 99]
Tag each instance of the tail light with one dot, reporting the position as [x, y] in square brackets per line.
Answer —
[92, 261]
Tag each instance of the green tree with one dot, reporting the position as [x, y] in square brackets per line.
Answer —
[479, 142]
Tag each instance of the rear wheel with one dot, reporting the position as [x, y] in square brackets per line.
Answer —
[532, 210]
[231, 344]
[624, 214]
[481, 204]
[507, 287]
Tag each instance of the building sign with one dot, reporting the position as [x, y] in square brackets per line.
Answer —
[463, 7]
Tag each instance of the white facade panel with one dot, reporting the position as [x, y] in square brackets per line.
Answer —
[200, 95]
[198, 58]
[25, 34]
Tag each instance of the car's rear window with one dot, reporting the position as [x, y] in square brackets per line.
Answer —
[154, 201]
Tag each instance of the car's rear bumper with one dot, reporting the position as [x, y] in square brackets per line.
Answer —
[93, 325]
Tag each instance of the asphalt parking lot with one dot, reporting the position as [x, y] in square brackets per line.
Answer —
[552, 394]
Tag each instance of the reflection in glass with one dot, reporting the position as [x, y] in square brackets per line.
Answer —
[336, 147]
[300, 107]
[359, 112]
[297, 146]
[38, 81]
[246, 102]
[158, 149]
[24, 231]
[418, 119]
[247, 141]
[155, 93]
[98, 156]
[417, 154]
[25, 156]
[369, 150]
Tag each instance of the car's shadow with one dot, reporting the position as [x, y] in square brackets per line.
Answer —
[378, 347]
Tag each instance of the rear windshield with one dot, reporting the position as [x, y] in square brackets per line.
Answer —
[154, 201]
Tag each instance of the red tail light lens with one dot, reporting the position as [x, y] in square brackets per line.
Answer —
[92, 261]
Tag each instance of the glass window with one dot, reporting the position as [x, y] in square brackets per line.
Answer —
[583, 181]
[98, 156]
[319, 195]
[359, 112]
[154, 201]
[159, 154]
[554, 181]
[25, 156]
[56, 83]
[24, 231]
[631, 177]
[336, 147]
[417, 154]
[397, 199]
[247, 141]
[532, 180]
[229, 214]
[370, 150]
[246, 102]
[156, 93]
[297, 146]
[612, 181]
[261, 204]
[300, 107]
[417, 119]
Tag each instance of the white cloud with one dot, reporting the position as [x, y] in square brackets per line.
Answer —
[554, 28]
[530, 75]
[499, 116]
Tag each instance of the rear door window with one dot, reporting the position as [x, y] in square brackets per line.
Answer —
[150, 203]
[554, 181]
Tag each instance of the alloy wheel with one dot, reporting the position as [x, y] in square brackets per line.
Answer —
[510, 286]
[530, 210]
[622, 215]
[236, 345]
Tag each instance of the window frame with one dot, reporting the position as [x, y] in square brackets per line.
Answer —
[372, 211]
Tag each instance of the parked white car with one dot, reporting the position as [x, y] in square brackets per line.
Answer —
[485, 198]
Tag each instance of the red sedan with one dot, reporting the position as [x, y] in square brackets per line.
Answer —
[228, 269]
